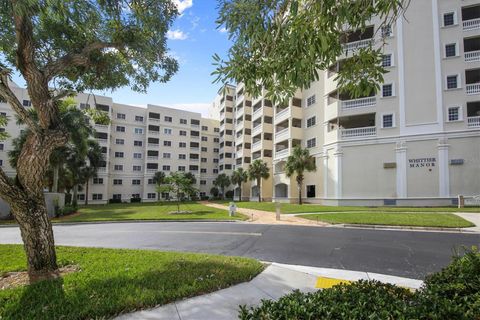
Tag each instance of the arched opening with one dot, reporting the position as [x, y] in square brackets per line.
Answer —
[281, 190]
[238, 196]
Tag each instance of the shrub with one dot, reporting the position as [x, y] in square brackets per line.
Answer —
[135, 200]
[229, 194]
[68, 198]
[115, 201]
[67, 210]
[204, 198]
[453, 293]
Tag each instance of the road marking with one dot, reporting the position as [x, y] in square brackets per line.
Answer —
[325, 283]
[254, 234]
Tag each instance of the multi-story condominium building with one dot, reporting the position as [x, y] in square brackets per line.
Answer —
[137, 143]
[415, 142]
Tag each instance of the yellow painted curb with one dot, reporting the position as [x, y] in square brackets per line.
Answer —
[325, 283]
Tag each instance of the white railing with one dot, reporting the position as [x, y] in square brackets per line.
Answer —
[358, 132]
[473, 122]
[282, 153]
[471, 24]
[153, 120]
[101, 126]
[472, 56]
[281, 134]
[239, 153]
[473, 88]
[283, 112]
[472, 201]
[102, 169]
[152, 158]
[153, 145]
[256, 144]
[153, 133]
[352, 46]
[102, 141]
[359, 103]
[240, 99]
[257, 112]
[240, 112]
[257, 129]
[152, 170]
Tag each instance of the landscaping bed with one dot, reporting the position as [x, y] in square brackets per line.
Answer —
[108, 282]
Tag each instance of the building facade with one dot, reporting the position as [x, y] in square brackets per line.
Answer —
[136, 144]
[415, 142]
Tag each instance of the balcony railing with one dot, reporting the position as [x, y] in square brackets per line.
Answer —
[153, 145]
[352, 46]
[472, 56]
[153, 133]
[256, 156]
[153, 120]
[152, 170]
[471, 24]
[281, 153]
[473, 88]
[359, 103]
[473, 122]
[281, 113]
[257, 144]
[152, 158]
[102, 142]
[280, 134]
[102, 169]
[257, 129]
[358, 132]
[257, 112]
[101, 126]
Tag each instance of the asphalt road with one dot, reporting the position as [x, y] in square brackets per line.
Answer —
[402, 253]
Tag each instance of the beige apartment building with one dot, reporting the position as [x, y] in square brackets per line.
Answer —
[137, 143]
[416, 142]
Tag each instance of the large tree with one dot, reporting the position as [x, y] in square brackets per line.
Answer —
[222, 181]
[58, 46]
[281, 45]
[257, 171]
[179, 184]
[297, 163]
[239, 177]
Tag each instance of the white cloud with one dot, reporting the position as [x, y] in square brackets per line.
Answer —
[183, 5]
[176, 35]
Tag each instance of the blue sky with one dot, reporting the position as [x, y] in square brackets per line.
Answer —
[193, 40]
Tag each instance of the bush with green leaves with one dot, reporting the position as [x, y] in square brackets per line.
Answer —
[453, 293]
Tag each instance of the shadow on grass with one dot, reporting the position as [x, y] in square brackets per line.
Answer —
[109, 292]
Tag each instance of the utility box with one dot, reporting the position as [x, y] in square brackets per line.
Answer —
[232, 208]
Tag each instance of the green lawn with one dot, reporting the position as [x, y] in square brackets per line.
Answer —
[117, 281]
[445, 220]
[309, 208]
[149, 211]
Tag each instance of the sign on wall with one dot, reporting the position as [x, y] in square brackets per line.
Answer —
[422, 162]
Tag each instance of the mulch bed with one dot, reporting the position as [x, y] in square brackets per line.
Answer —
[11, 280]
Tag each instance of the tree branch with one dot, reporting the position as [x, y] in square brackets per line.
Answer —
[8, 191]
[7, 94]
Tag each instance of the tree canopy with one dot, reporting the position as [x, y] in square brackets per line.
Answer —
[280, 45]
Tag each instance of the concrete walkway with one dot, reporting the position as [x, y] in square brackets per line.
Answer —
[274, 282]
[267, 217]
[473, 218]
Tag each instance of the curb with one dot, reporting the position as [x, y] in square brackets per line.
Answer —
[407, 228]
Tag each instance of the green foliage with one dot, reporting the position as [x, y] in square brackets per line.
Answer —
[258, 170]
[281, 45]
[180, 184]
[68, 209]
[453, 293]
[222, 181]
[214, 192]
[95, 44]
[112, 281]
[3, 123]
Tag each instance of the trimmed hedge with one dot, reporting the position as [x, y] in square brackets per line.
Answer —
[453, 293]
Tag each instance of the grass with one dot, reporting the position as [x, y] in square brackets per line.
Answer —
[418, 219]
[311, 208]
[114, 281]
[148, 211]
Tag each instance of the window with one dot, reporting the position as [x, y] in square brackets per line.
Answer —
[215, 150]
[311, 191]
[167, 143]
[120, 129]
[182, 168]
[137, 155]
[166, 168]
[387, 31]
[117, 182]
[203, 170]
[138, 143]
[168, 119]
[203, 182]
[2, 146]
[182, 144]
[167, 131]
[204, 139]
[27, 103]
[204, 160]
[454, 114]
[216, 140]
[84, 106]
[97, 180]
[312, 143]
[121, 116]
[150, 181]
[97, 196]
[386, 60]
[311, 100]
[183, 121]
[81, 197]
[182, 156]
[119, 141]
[183, 133]
[139, 118]
[216, 130]
[215, 160]
[387, 90]
[204, 128]
[138, 131]
[451, 50]
[151, 195]
[118, 167]
[136, 182]
[448, 19]
[452, 82]
[204, 149]
[311, 121]
[119, 154]
[117, 196]
[1, 163]
[137, 168]
[387, 121]
[215, 171]
[167, 155]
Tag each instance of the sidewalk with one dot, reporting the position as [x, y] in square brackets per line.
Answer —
[473, 218]
[274, 282]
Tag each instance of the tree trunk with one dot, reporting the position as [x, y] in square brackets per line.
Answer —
[240, 195]
[259, 181]
[86, 191]
[299, 193]
[75, 195]
[56, 170]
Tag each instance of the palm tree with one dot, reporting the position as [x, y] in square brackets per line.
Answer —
[257, 171]
[222, 181]
[159, 179]
[297, 163]
[95, 158]
[239, 177]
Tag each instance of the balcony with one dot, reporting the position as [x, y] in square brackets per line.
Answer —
[473, 88]
[153, 120]
[472, 56]
[239, 153]
[101, 126]
[282, 134]
[358, 103]
[356, 45]
[282, 153]
[102, 169]
[240, 112]
[471, 24]
[257, 129]
[152, 158]
[152, 170]
[358, 132]
[153, 133]
[471, 17]
[102, 142]
[153, 145]
[257, 113]
[473, 122]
